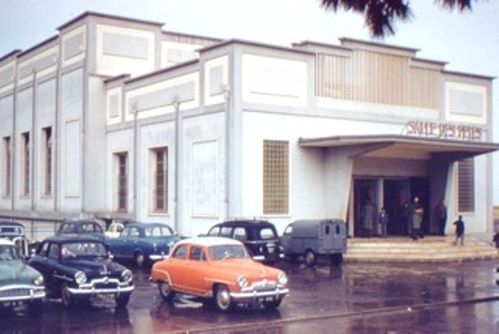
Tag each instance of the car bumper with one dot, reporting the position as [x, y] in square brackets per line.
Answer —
[102, 287]
[259, 295]
[14, 293]
[273, 257]
[156, 257]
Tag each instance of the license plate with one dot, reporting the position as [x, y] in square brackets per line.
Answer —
[107, 296]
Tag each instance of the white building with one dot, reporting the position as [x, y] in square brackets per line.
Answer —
[115, 118]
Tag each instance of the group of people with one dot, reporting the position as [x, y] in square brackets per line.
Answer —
[412, 215]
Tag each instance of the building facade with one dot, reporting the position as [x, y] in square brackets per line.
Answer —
[115, 118]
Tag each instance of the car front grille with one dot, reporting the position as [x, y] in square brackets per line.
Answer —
[15, 293]
[109, 285]
[264, 285]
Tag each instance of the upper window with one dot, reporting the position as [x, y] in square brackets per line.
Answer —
[466, 185]
[7, 174]
[25, 163]
[121, 160]
[160, 179]
[47, 163]
[275, 177]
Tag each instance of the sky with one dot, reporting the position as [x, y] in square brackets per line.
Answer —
[468, 41]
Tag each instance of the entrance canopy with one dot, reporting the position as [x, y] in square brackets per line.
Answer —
[397, 146]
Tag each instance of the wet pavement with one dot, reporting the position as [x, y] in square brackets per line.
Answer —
[352, 298]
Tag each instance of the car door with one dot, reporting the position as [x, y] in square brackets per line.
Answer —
[196, 270]
[45, 261]
[177, 268]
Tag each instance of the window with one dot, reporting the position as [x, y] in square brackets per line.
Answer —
[275, 177]
[466, 185]
[7, 166]
[180, 252]
[160, 179]
[25, 163]
[54, 251]
[240, 234]
[214, 231]
[267, 233]
[122, 167]
[196, 253]
[47, 163]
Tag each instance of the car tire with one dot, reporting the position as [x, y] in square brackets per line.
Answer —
[336, 259]
[122, 300]
[66, 297]
[140, 259]
[273, 304]
[222, 298]
[310, 258]
[165, 290]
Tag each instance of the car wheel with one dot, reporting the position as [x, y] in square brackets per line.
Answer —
[336, 259]
[309, 257]
[66, 297]
[223, 301]
[122, 300]
[165, 290]
[273, 304]
[139, 259]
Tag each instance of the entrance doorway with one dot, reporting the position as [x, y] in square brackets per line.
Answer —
[395, 194]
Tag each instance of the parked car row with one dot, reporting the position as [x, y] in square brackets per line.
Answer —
[226, 266]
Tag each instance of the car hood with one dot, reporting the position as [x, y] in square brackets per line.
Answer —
[95, 267]
[250, 269]
[16, 271]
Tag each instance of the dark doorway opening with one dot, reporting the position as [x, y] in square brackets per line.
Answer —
[397, 195]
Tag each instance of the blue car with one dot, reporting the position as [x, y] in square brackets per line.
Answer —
[143, 242]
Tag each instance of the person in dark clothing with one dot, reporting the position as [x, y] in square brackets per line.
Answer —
[416, 213]
[441, 214]
[368, 215]
[459, 230]
[383, 221]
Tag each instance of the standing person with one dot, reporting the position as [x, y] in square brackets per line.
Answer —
[383, 221]
[441, 215]
[368, 218]
[416, 214]
[459, 230]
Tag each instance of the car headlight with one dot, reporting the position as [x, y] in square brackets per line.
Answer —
[242, 282]
[282, 278]
[80, 277]
[38, 280]
[126, 276]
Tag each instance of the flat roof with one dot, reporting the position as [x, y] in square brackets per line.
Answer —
[403, 146]
[107, 16]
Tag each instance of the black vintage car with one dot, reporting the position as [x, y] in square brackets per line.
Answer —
[77, 268]
[259, 236]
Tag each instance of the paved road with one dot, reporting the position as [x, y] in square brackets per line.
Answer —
[352, 298]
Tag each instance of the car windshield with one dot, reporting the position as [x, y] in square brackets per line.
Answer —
[267, 233]
[8, 253]
[83, 249]
[223, 252]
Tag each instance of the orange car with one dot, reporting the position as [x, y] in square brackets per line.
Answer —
[219, 268]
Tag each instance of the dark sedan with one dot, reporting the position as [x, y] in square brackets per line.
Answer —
[77, 268]
[143, 242]
[259, 236]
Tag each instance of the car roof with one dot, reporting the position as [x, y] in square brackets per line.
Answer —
[209, 241]
[246, 223]
[144, 224]
[6, 242]
[81, 221]
[72, 237]
[4, 223]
